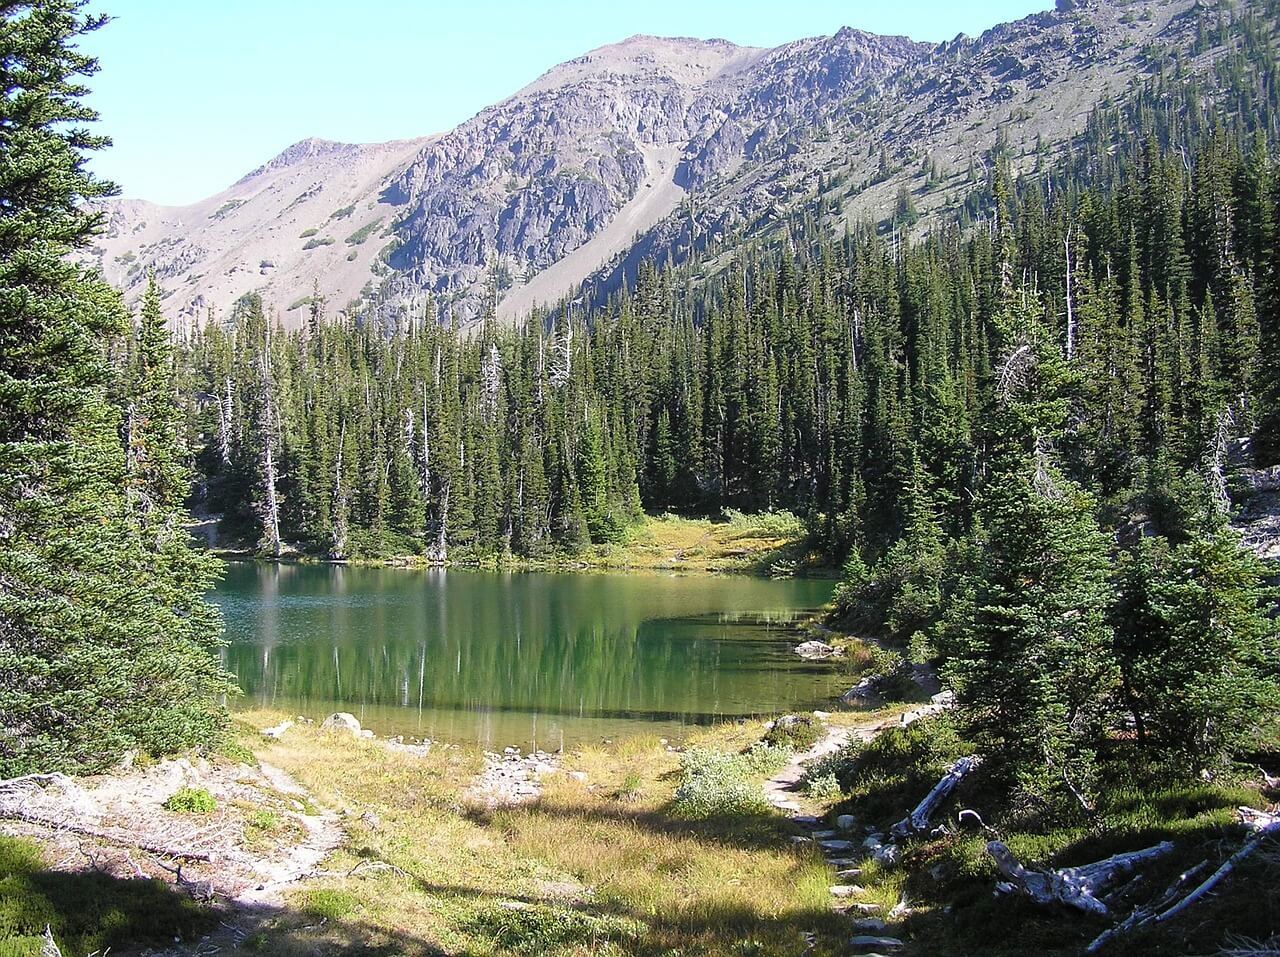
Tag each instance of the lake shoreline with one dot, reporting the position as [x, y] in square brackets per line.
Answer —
[522, 658]
[759, 546]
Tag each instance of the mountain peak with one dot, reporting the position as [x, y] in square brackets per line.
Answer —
[299, 152]
[689, 61]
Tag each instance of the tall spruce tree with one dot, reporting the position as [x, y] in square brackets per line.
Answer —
[90, 583]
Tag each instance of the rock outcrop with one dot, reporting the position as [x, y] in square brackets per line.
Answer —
[652, 148]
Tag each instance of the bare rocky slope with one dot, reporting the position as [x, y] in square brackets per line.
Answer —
[651, 147]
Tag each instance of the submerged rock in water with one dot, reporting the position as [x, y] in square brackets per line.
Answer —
[816, 650]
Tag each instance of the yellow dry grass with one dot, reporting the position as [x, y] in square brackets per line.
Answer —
[596, 867]
[732, 544]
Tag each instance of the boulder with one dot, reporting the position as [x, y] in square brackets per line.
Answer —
[815, 650]
[277, 731]
[846, 822]
[342, 721]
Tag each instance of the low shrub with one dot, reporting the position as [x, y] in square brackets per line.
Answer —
[821, 787]
[191, 801]
[716, 784]
[794, 732]
[766, 524]
[263, 820]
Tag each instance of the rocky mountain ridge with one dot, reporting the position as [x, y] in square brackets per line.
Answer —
[649, 148]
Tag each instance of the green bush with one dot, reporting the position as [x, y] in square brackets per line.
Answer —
[771, 524]
[317, 243]
[893, 772]
[716, 784]
[308, 233]
[363, 233]
[794, 732]
[191, 801]
[263, 820]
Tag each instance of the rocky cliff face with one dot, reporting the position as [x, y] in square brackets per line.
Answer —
[646, 148]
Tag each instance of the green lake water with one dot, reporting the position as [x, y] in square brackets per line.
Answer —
[524, 659]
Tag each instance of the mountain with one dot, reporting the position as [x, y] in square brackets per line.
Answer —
[649, 148]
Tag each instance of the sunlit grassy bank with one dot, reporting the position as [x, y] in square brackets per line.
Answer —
[605, 865]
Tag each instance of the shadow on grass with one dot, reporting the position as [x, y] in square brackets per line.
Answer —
[86, 912]
[89, 912]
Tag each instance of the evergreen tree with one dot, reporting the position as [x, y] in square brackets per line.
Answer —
[106, 642]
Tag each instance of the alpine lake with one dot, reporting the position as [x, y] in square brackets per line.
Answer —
[526, 659]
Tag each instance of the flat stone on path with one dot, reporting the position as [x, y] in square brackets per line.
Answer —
[849, 873]
[864, 942]
[837, 846]
[846, 890]
[870, 925]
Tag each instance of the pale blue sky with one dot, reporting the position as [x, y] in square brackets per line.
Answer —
[198, 92]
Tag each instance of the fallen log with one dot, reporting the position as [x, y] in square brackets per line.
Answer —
[118, 840]
[40, 780]
[918, 820]
[1077, 887]
[1263, 824]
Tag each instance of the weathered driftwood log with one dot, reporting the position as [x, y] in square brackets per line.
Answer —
[118, 840]
[49, 946]
[1077, 887]
[918, 820]
[39, 780]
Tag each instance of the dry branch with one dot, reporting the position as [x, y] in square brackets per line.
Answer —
[1077, 887]
[1142, 915]
[117, 839]
[1268, 827]
[1263, 824]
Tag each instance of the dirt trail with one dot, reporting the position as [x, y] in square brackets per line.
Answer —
[782, 789]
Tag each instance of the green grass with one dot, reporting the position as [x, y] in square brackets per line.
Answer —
[548, 929]
[87, 912]
[326, 903]
[441, 875]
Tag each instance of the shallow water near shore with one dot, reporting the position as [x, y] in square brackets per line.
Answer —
[524, 658]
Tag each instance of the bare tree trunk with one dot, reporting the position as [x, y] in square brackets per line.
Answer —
[1071, 318]
[339, 548]
[271, 520]
[224, 423]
